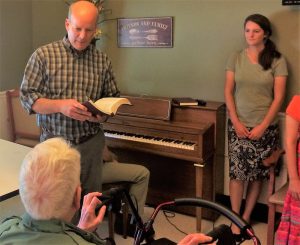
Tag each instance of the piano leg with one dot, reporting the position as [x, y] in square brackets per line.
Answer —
[199, 192]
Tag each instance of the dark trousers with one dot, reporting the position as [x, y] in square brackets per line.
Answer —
[91, 163]
[91, 167]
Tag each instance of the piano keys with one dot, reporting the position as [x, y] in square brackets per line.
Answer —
[166, 142]
[159, 137]
[178, 146]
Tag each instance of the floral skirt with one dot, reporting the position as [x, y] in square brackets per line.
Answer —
[246, 156]
[288, 232]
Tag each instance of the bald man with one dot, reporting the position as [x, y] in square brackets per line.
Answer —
[58, 78]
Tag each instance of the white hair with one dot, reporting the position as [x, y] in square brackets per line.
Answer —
[49, 176]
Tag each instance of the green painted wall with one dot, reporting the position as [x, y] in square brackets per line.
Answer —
[15, 41]
[205, 33]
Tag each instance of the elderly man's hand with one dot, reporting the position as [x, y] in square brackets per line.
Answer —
[88, 219]
[195, 239]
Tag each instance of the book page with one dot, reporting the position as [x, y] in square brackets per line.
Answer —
[110, 105]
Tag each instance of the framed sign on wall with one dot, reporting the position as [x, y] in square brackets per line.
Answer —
[151, 32]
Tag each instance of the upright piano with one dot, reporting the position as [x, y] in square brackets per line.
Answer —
[183, 147]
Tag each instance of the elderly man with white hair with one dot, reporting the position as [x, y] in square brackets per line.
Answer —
[50, 191]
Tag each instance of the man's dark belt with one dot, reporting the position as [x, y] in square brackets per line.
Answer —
[82, 139]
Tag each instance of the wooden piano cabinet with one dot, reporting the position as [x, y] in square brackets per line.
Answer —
[179, 175]
[172, 178]
[213, 112]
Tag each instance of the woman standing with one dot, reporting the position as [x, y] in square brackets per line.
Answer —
[254, 92]
[289, 228]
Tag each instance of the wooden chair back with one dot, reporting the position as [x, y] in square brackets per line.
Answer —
[23, 126]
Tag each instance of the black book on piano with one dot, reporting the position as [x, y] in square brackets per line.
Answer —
[184, 101]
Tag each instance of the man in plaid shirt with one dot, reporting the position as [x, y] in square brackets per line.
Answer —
[58, 78]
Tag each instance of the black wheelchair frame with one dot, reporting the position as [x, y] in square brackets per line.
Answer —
[142, 229]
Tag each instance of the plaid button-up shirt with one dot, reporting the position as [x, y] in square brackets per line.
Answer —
[58, 71]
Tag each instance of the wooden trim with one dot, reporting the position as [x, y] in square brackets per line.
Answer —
[9, 95]
[9, 195]
[16, 133]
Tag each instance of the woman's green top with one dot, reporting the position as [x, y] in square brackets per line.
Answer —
[254, 86]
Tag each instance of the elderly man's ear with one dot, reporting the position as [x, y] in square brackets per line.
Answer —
[77, 197]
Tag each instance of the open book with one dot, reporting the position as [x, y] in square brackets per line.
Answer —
[107, 105]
